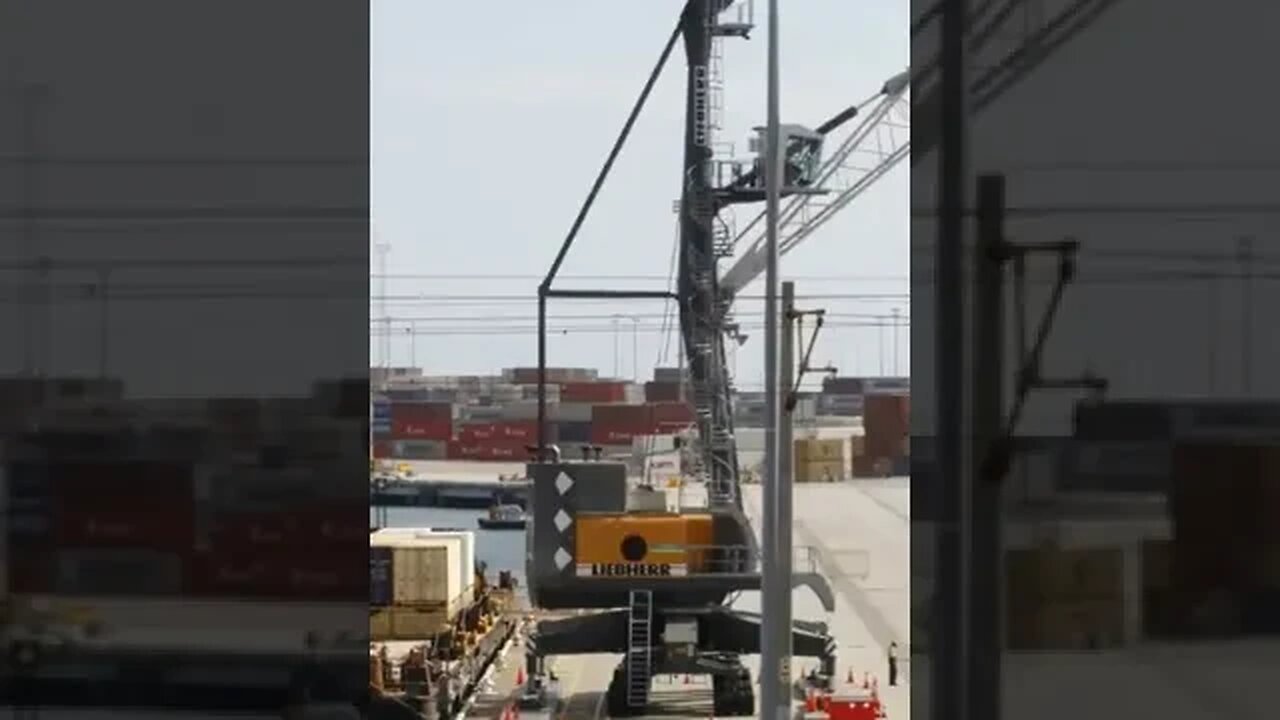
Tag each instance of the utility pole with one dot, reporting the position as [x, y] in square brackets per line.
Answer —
[987, 424]
[775, 674]
[1244, 253]
[950, 647]
[786, 470]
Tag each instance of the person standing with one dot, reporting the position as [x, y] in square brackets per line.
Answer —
[893, 664]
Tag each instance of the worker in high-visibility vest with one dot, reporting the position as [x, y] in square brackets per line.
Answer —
[893, 664]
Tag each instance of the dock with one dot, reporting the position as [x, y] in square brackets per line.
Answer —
[453, 484]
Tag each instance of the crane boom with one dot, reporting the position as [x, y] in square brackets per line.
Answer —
[874, 147]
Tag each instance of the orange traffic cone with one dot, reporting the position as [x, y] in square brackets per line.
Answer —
[810, 702]
[520, 676]
[850, 679]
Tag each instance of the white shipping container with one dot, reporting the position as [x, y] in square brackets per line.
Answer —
[467, 579]
[570, 412]
[425, 569]
[459, 543]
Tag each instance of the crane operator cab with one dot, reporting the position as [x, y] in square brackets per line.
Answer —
[803, 156]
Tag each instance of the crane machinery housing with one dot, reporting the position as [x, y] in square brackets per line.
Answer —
[663, 581]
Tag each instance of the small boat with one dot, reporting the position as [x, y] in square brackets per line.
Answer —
[504, 517]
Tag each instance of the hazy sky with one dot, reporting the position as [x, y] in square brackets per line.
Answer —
[490, 122]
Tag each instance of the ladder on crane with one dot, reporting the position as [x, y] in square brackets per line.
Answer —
[639, 648]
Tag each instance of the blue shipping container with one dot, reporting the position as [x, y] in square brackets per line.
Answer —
[380, 594]
[382, 410]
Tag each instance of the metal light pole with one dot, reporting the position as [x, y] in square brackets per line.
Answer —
[775, 671]
[413, 343]
[897, 372]
[635, 349]
[615, 346]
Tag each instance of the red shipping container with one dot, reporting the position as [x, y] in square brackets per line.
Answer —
[524, 431]
[94, 486]
[593, 392]
[505, 450]
[297, 574]
[381, 449]
[402, 429]
[476, 432]
[259, 531]
[672, 412]
[160, 528]
[31, 572]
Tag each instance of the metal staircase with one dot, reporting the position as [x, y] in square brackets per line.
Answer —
[639, 648]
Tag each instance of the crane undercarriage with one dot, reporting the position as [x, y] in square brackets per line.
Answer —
[680, 641]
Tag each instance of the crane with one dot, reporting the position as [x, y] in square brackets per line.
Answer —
[662, 581]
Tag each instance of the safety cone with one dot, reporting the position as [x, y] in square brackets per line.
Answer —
[687, 680]
[520, 676]
[849, 679]
[866, 681]
[810, 702]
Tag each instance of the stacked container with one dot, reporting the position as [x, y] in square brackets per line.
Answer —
[422, 421]
[106, 541]
[1065, 599]
[819, 460]
[887, 425]
[418, 581]
[593, 392]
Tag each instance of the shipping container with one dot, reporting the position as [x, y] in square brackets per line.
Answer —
[672, 412]
[815, 449]
[496, 450]
[119, 571]
[663, 392]
[1215, 505]
[467, 567]
[98, 485]
[842, 386]
[402, 429]
[406, 623]
[423, 412]
[813, 471]
[574, 432]
[1080, 625]
[420, 449]
[523, 430]
[887, 424]
[170, 528]
[412, 567]
[594, 392]
[670, 375]
[296, 574]
[381, 449]
[555, 376]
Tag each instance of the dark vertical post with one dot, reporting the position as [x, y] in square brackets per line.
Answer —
[986, 422]
[949, 676]
[542, 375]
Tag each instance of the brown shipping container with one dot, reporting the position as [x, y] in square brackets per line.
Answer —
[671, 412]
[625, 415]
[1217, 490]
[661, 392]
[593, 392]
[887, 425]
[1067, 626]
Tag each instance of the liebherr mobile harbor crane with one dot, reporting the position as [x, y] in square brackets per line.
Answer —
[663, 580]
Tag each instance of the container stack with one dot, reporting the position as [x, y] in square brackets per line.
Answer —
[421, 431]
[418, 581]
[887, 427]
[820, 460]
[1226, 542]
[1065, 599]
